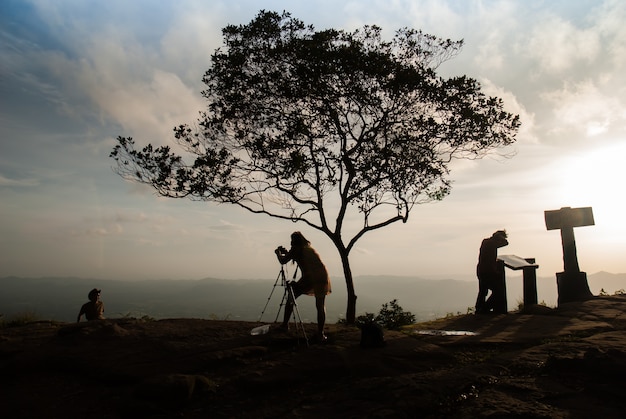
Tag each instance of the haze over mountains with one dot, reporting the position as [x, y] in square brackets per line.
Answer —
[248, 300]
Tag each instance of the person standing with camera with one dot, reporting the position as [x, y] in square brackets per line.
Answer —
[314, 280]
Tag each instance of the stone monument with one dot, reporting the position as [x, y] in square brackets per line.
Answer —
[571, 283]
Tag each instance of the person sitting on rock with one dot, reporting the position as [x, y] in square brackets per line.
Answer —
[94, 309]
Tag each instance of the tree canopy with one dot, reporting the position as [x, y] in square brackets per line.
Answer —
[318, 126]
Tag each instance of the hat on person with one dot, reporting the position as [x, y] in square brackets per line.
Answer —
[93, 292]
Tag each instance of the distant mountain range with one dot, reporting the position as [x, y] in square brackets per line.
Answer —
[251, 300]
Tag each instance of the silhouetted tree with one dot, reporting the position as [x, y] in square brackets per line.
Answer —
[313, 126]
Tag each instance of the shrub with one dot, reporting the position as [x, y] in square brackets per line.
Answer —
[605, 293]
[391, 316]
[364, 319]
[138, 316]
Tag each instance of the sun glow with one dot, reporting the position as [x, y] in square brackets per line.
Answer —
[596, 179]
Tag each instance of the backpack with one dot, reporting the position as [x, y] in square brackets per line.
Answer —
[372, 335]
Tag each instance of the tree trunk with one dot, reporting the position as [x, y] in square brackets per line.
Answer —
[347, 272]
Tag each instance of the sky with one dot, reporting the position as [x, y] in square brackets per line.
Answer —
[76, 74]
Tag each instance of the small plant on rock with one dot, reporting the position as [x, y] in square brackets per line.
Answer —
[393, 317]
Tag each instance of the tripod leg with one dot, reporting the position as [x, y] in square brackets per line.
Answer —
[296, 314]
[283, 302]
[281, 275]
[288, 301]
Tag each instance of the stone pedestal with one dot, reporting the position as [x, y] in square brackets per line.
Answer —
[572, 286]
[530, 283]
[500, 305]
[571, 283]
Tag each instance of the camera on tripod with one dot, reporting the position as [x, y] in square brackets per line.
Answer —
[280, 250]
[289, 297]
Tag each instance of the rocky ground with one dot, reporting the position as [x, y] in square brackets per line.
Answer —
[568, 362]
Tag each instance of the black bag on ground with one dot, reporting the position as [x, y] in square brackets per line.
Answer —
[372, 335]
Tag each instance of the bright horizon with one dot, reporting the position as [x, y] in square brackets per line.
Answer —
[75, 75]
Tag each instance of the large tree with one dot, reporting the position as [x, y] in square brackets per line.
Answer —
[325, 126]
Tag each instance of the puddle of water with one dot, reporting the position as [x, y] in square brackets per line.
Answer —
[446, 332]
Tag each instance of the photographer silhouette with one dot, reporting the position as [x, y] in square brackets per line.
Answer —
[314, 280]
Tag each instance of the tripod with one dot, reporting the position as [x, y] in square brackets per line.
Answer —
[288, 298]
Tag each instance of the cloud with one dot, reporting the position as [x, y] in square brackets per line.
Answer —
[134, 79]
[4, 181]
[130, 218]
[201, 22]
[434, 16]
[147, 109]
[99, 231]
[363, 250]
[513, 105]
[226, 226]
[609, 21]
[558, 46]
[584, 107]
[492, 29]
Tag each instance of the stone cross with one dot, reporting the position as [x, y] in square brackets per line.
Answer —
[565, 219]
[572, 283]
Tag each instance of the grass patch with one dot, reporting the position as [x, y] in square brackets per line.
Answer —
[19, 319]
[475, 356]
[571, 337]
